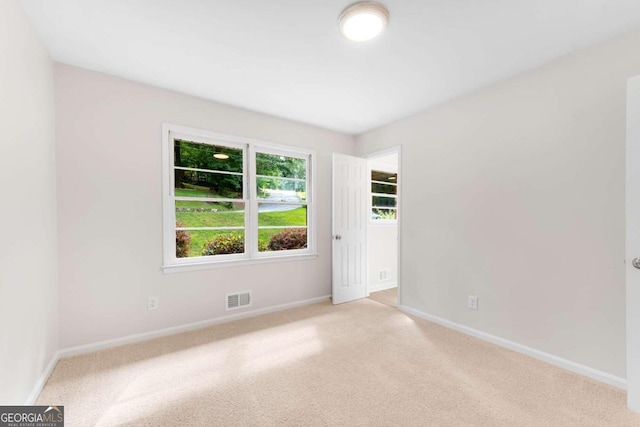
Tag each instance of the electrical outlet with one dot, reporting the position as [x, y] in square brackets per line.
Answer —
[472, 302]
[384, 274]
[152, 303]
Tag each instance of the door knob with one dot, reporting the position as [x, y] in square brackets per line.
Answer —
[338, 237]
[636, 262]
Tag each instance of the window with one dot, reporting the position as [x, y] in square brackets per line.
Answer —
[384, 196]
[230, 199]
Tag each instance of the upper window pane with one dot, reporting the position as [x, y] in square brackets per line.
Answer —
[188, 154]
[207, 184]
[383, 188]
[384, 176]
[280, 166]
[282, 190]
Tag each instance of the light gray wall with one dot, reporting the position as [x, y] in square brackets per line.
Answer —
[382, 251]
[110, 210]
[515, 194]
[28, 253]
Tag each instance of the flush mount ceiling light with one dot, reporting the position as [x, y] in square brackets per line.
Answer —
[221, 156]
[363, 21]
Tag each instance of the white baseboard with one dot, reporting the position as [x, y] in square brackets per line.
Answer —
[88, 348]
[595, 374]
[33, 396]
[382, 287]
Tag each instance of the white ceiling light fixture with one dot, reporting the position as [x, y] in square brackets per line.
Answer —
[221, 156]
[363, 21]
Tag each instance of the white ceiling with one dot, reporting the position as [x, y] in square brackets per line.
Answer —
[286, 57]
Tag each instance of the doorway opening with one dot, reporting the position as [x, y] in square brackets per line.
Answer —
[383, 218]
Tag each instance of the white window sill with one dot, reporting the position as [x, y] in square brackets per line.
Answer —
[177, 268]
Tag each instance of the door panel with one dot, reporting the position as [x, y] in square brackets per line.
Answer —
[349, 228]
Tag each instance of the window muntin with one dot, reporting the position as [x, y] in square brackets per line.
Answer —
[384, 196]
[235, 199]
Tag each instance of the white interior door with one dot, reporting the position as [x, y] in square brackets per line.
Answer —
[633, 244]
[349, 228]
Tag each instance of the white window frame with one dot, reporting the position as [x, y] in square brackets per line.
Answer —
[250, 147]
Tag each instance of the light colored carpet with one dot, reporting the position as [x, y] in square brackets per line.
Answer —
[356, 364]
[388, 297]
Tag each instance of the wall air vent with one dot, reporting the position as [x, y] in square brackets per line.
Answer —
[239, 300]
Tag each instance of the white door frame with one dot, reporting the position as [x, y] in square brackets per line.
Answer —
[392, 150]
[633, 243]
